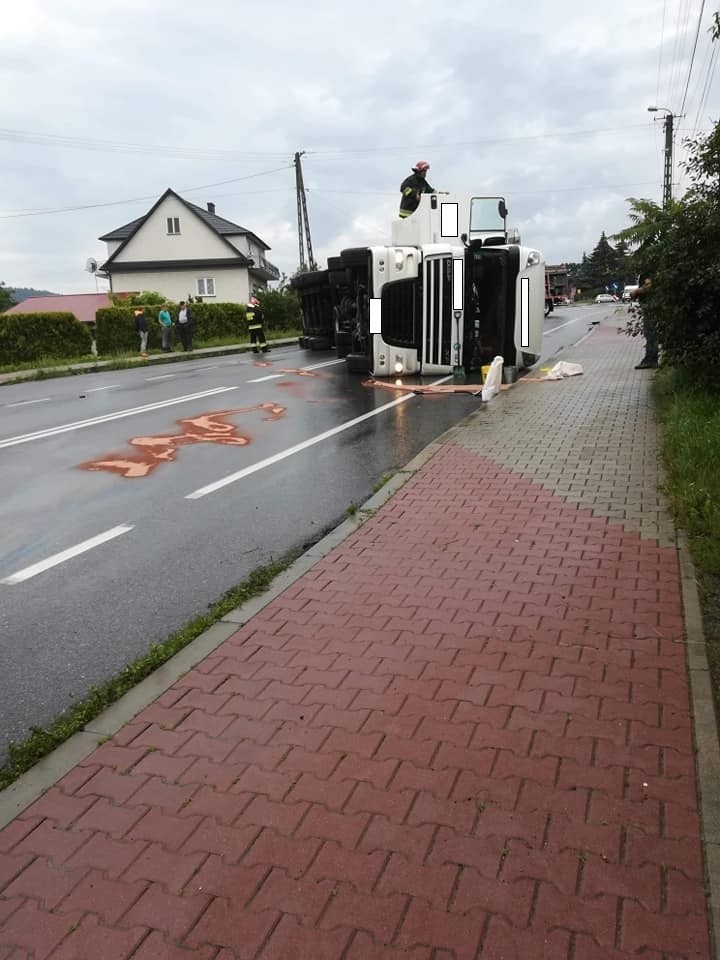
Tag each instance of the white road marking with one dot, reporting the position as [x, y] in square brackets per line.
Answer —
[68, 554]
[208, 366]
[24, 403]
[106, 418]
[310, 442]
[315, 366]
[165, 376]
[561, 325]
[326, 363]
[110, 387]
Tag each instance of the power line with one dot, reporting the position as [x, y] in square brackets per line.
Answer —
[349, 151]
[662, 40]
[119, 203]
[692, 58]
[84, 143]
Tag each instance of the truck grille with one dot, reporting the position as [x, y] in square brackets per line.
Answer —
[437, 310]
[399, 313]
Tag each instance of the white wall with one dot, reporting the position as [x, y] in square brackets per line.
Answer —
[112, 246]
[231, 285]
[195, 241]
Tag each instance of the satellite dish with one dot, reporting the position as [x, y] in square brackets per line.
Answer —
[91, 265]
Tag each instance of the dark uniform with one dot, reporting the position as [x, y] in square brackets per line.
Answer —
[411, 188]
[255, 321]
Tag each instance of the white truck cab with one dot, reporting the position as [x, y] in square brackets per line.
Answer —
[453, 289]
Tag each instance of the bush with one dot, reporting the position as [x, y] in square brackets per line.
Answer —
[31, 336]
[116, 325]
[281, 308]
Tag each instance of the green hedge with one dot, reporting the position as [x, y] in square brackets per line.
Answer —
[33, 336]
[116, 325]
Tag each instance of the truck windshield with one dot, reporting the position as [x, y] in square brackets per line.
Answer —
[485, 215]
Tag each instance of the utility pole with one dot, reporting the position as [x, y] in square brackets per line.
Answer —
[668, 165]
[302, 215]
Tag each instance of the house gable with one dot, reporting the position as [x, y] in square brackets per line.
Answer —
[172, 230]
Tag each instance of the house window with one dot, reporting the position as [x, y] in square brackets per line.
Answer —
[173, 224]
[205, 287]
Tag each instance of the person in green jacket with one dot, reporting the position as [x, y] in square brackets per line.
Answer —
[166, 328]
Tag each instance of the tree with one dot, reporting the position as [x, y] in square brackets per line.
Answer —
[148, 298]
[679, 248]
[6, 298]
[604, 266]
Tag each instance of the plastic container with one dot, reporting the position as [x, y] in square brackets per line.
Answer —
[493, 380]
[509, 374]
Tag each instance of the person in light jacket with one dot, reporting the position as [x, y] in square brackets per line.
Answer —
[142, 330]
[165, 321]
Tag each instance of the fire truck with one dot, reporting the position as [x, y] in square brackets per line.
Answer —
[452, 290]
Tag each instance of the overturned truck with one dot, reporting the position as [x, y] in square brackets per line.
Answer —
[453, 290]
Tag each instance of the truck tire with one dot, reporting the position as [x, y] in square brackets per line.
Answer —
[315, 278]
[319, 343]
[337, 278]
[355, 257]
[335, 263]
[358, 363]
[343, 343]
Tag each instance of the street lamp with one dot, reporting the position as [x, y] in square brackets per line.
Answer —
[667, 180]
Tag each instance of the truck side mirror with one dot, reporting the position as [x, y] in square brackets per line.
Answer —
[433, 201]
[502, 209]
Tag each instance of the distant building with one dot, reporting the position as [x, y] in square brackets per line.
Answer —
[83, 305]
[182, 250]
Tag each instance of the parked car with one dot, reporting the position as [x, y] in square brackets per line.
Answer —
[604, 298]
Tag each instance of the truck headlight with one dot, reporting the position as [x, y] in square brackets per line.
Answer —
[399, 259]
[533, 258]
[398, 365]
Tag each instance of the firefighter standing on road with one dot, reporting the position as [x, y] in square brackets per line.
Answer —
[255, 321]
[413, 187]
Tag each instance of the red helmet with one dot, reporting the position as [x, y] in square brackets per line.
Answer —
[421, 165]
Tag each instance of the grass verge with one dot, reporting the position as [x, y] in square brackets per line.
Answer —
[43, 740]
[689, 414]
[48, 367]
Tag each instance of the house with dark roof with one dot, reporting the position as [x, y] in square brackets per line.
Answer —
[183, 250]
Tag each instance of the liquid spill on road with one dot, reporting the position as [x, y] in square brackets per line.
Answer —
[154, 450]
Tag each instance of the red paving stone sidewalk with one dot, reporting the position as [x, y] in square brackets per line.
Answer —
[464, 734]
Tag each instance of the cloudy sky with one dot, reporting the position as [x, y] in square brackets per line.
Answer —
[107, 104]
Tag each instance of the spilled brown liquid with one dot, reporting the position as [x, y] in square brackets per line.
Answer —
[154, 450]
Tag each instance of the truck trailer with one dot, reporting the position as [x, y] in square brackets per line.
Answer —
[452, 290]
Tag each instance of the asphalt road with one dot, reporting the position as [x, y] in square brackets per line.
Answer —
[110, 545]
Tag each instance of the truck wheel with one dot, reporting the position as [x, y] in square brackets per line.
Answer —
[337, 278]
[335, 263]
[319, 343]
[358, 363]
[548, 308]
[343, 343]
[355, 257]
[315, 278]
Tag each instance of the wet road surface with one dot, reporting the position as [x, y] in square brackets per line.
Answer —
[131, 500]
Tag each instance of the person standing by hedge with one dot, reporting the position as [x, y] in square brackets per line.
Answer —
[185, 325]
[142, 330]
[255, 322]
[166, 328]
